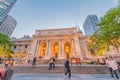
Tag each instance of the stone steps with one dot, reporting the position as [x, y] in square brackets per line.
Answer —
[58, 61]
[42, 61]
[61, 69]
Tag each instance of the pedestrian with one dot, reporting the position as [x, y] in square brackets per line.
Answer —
[112, 64]
[8, 73]
[50, 65]
[34, 61]
[109, 67]
[28, 61]
[2, 71]
[53, 62]
[67, 67]
[118, 62]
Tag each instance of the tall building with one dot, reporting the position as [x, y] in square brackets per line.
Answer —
[118, 2]
[90, 24]
[5, 7]
[8, 25]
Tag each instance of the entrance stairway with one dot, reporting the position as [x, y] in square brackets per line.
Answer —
[42, 61]
[46, 61]
[84, 69]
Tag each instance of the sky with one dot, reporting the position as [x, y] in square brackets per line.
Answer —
[47, 14]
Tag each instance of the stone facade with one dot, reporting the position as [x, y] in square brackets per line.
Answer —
[59, 43]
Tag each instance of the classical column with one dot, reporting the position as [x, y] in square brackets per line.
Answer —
[49, 49]
[73, 48]
[88, 55]
[26, 46]
[33, 48]
[37, 48]
[47, 45]
[28, 50]
[15, 51]
[77, 48]
[21, 51]
[60, 49]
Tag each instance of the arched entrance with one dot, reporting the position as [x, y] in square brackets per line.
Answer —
[24, 54]
[67, 50]
[55, 50]
[42, 50]
[17, 54]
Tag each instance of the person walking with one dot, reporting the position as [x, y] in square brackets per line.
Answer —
[8, 73]
[28, 61]
[112, 64]
[53, 62]
[2, 71]
[50, 65]
[34, 61]
[109, 67]
[67, 67]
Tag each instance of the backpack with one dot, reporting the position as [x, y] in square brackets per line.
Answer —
[66, 64]
[118, 63]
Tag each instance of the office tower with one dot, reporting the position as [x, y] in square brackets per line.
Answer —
[5, 7]
[118, 2]
[8, 25]
[90, 24]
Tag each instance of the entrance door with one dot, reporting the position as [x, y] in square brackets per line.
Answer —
[67, 50]
[55, 49]
[67, 55]
[42, 50]
[56, 55]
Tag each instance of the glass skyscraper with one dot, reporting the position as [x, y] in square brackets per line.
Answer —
[8, 25]
[5, 7]
[90, 24]
[118, 2]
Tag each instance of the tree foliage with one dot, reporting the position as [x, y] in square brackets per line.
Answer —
[5, 45]
[108, 32]
[4, 39]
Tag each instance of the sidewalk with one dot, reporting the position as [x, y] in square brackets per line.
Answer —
[60, 77]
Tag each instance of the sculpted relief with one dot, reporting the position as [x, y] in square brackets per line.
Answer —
[53, 32]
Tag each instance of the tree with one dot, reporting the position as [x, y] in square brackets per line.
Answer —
[108, 32]
[4, 39]
[98, 44]
[5, 45]
[110, 27]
